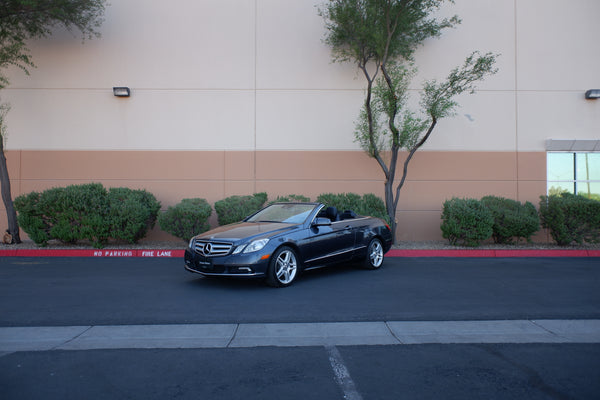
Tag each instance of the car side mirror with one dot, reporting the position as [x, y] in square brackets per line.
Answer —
[321, 221]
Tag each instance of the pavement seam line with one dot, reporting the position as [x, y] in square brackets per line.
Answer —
[548, 330]
[233, 335]
[73, 338]
[392, 332]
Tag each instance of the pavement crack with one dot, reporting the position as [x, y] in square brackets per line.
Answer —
[535, 379]
[548, 330]
[73, 338]
[237, 326]
[392, 332]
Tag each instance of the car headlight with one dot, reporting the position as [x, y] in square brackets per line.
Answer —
[191, 245]
[256, 245]
[239, 249]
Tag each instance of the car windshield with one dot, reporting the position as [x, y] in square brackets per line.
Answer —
[286, 213]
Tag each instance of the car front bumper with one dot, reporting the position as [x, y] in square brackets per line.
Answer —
[239, 265]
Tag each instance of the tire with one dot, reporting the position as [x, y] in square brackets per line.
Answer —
[283, 267]
[374, 258]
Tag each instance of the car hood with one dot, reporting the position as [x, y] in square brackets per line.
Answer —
[246, 230]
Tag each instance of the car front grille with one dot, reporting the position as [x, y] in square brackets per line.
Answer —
[212, 249]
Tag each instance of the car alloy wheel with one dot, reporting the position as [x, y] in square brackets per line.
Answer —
[283, 267]
[374, 254]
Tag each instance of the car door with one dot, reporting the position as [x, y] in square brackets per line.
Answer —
[328, 243]
[361, 232]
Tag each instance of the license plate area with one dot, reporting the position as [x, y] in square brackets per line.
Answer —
[205, 263]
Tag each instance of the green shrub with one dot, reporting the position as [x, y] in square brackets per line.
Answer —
[571, 218]
[511, 219]
[367, 204]
[186, 219]
[132, 213]
[31, 218]
[67, 214]
[86, 212]
[291, 198]
[81, 217]
[374, 207]
[236, 208]
[466, 221]
[341, 201]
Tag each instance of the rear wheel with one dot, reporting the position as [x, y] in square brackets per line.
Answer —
[283, 267]
[374, 257]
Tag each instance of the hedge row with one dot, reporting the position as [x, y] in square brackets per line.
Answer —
[190, 217]
[87, 212]
[569, 219]
[91, 212]
[367, 204]
[468, 222]
[186, 219]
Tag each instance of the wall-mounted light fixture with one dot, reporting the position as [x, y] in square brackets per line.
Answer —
[121, 91]
[592, 94]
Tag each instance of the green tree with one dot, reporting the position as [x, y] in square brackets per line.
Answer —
[380, 37]
[23, 20]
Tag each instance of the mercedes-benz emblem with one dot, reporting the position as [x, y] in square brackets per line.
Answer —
[207, 249]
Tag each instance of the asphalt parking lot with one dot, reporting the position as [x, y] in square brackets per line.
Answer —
[133, 291]
[460, 328]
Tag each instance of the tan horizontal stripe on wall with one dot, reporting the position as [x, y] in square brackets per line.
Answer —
[213, 175]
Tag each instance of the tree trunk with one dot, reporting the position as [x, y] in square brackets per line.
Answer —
[13, 226]
[390, 208]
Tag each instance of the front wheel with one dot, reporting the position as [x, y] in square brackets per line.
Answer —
[283, 267]
[374, 257]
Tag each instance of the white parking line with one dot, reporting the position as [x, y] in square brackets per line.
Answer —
[341, 374]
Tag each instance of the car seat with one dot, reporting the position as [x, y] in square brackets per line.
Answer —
[332, 214]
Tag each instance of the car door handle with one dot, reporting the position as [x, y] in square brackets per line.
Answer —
[347, 229]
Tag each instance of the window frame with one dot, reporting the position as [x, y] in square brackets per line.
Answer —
[575, 183]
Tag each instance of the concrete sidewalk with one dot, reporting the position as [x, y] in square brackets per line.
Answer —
[297, 334]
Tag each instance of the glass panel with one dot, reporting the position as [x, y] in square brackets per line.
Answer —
[560, 167]
[591, 190]
[588, 166]
[560, 187]
[595, 190]
[289, 213]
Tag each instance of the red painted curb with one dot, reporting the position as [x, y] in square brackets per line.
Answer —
[154, 253]
[542, 253]
[149, 253]
[440, 253]
[492, 253]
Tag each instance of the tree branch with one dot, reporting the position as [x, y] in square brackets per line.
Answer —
[410, 156]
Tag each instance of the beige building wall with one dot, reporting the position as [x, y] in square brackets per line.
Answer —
[238, 96]
[214, 175]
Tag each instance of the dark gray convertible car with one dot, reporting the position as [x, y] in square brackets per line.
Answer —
[283, 239]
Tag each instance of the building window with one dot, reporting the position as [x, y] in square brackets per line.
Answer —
[574, 172]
